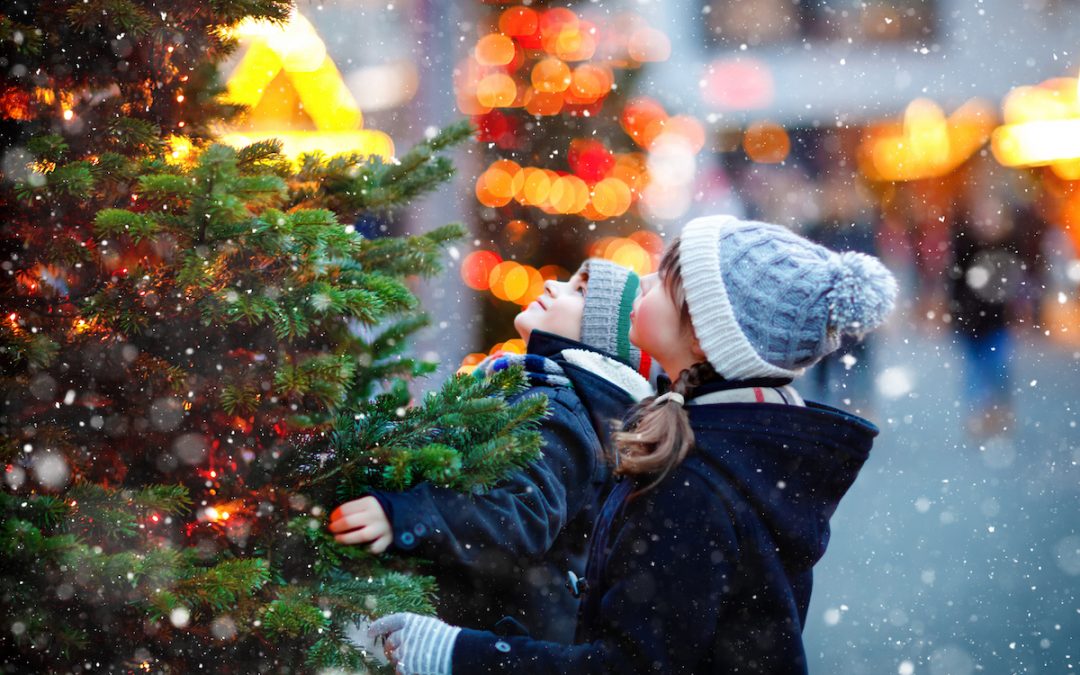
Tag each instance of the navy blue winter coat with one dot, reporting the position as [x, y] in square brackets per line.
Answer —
[710, 572]
[506, 552]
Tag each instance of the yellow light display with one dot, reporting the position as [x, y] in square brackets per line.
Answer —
[927, 144]
[1042, 127]
[296, 94]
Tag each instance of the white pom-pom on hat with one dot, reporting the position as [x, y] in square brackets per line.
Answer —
[863, 294]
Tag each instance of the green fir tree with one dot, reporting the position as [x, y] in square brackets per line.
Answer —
[201, 359]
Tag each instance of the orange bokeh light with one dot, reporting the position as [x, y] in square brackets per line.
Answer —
[543, 103]
[535, 186]
[519, 21]
[574, 44]
[590, 82]
[497, 90]
[501, 176]
[514, 282]
[766, 143]
[556, 20]
[650, 241]
[535, 288]
[611, 197]
[494, 49]
[642, 119]
[551, 75]
[516, 230]
[625, 251]
[687, 128]
[631, 169]
[553, 272]
[485, 195]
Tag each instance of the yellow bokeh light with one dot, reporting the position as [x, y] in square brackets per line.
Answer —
[516, 346]
[1042, 127]
[928, 143]
[179, 148]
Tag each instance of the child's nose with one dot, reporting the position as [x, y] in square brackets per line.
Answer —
[551, 287]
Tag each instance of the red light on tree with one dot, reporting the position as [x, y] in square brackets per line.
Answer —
[589, 159]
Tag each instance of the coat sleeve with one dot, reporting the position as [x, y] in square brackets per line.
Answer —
[520, 517]
[664, 591]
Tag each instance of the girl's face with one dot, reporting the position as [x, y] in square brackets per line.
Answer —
[558, 310]
[656, 327]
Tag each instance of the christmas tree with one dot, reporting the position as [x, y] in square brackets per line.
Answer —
[201, 358]
[579, 161]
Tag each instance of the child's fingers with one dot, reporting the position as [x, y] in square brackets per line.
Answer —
[351, 522]
[362, 535]
[354, 506]
[382, 543]
[387, 625]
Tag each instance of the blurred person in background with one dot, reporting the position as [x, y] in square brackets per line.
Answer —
[987, 282]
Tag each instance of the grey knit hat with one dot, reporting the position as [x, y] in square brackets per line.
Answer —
[605, 323]
[766, 302]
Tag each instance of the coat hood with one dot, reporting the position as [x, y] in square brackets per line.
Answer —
[606, 386]
[792, 465]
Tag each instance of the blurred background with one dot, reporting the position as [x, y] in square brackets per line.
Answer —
[941, 135]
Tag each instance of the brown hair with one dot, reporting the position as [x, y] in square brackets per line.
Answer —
[657, 436]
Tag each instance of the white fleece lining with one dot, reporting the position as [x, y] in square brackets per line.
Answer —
[619, 374]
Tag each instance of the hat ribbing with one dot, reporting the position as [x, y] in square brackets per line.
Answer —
[609, 298]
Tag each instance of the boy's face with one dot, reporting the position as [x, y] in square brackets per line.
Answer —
[558, 310]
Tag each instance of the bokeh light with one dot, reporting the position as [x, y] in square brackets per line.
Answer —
[611, 197]
[476, 269]
[551, 75]
[766, 142]
[639, 117]
[517, 21]
[542, 103]
[496, 90]
[494, 49]
[627, 252]
[589, 82]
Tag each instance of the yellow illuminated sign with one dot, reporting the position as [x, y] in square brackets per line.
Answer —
[296, 94]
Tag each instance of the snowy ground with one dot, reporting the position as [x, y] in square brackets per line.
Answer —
[951, 556]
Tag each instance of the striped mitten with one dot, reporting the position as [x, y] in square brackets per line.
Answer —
[417, 645]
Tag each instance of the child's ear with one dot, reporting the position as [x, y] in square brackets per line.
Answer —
[697, 352]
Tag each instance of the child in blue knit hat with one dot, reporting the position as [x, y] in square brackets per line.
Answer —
[506, 552]
[702, 557]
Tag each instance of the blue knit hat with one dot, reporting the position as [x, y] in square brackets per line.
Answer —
[766, 302]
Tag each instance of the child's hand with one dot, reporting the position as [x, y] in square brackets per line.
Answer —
[362, 521]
